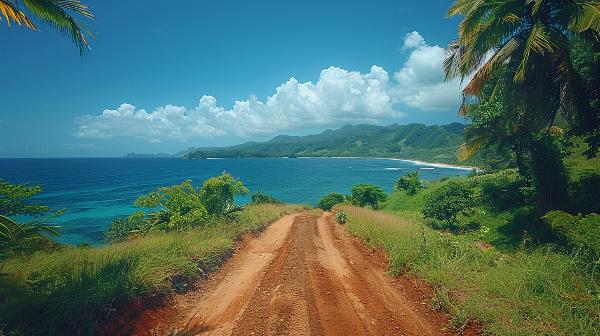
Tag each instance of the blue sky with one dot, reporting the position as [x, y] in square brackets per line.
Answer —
[164, 77]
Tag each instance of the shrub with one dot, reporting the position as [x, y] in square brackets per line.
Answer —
[179, 207]
[328, 201]
[341, 217]
[368, 195]
[578, 232]
[410, 183]
[262, 198]
[121, 228]
[217, 194]
[585, 196]
[502, 190]
[449, 201]
[29, 236]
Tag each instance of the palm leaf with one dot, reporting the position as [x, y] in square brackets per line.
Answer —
[468, 149]
[62, 15]
[481, 77]
[580, 16]
[8, 228]
[12, 13]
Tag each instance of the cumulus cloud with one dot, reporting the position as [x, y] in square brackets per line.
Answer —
[338, 96]
[420, 82]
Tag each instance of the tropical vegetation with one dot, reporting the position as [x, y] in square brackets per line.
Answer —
[66, 16]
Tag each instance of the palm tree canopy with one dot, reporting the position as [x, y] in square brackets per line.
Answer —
[529, 40]
[522, 48]
[64, 15]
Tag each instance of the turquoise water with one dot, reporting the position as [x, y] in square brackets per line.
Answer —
[95, 191]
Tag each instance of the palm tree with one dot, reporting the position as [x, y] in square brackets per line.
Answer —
[64, 15]
[23, 236]
[522, 47]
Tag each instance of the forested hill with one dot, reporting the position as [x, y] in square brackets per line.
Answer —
[413, 141]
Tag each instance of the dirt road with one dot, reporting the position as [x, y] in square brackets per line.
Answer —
[306, 276]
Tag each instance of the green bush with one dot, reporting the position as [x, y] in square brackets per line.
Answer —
[411, 183]
[180, 207]
[578, 232]
[449, 201]
[341, 217]
[585, 193]
[122, 228]
[502, 190]
[29, 236]
[328, 201]
[368, 195]
[217, 194]
[262, 198]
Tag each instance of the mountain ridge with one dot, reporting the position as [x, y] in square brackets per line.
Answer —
[434, 143]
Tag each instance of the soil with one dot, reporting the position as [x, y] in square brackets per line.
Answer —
[305, 275]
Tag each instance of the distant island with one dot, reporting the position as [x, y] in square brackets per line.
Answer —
[438, 143]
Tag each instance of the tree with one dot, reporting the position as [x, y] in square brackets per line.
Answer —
[179, 207]
[367, 194]
[217, 194]
[328, 201]
[449, 201]
[64, 15]
[262, 198]
[411, 183]
[15, 199]
[525, 44]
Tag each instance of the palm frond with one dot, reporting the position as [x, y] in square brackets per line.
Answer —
[9, 229]
[481, 77]
[538, 42]
[468, 149]
[62, 15]
[12, 13]
[580, 16]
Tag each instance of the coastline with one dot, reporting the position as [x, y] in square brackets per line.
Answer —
[423, 163]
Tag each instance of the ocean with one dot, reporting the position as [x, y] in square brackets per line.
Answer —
[94, 191]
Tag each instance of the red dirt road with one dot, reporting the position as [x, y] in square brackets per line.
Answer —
[305, 276]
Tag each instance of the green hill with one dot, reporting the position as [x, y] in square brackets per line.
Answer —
[412, 141]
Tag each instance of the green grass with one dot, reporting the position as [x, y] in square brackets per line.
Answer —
[536, 291]
[69, 291]
[578, 165]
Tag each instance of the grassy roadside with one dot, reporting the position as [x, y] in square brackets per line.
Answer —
[69, 291]
[520, 291]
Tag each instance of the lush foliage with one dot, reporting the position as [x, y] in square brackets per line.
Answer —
[31, 235]
[64, 15]
[579, 232]
[180, 207]
[367, 195]
[262, 198]
[530, 292]
[341, 217]
[449, 201]
[74, 290]
[501, 191]
[217, 194]
[328, 201]
[15, 199]
[411, 183]
[522, 80]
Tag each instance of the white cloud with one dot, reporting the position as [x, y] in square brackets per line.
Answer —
[339, 96]
[413, 40]
[420, 83]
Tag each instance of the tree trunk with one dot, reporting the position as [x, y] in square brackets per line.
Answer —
[549, 174]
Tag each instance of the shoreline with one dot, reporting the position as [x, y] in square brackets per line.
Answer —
[423, 163]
